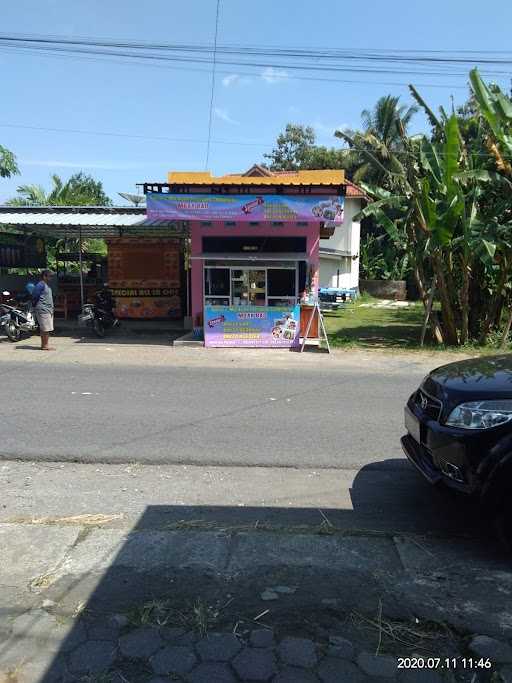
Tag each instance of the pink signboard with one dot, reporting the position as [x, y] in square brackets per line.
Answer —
[263, 326]
[246, 208]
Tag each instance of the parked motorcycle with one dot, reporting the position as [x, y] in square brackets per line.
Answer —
[19, 319]
[99, 315]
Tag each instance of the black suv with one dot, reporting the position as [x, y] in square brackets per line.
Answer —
[459, 432]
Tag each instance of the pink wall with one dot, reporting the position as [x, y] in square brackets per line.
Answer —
[218, 229]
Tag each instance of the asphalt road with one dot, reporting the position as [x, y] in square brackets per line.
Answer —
[338, 417]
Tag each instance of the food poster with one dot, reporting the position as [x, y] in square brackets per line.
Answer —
[144, 275]
[328, 209]
[257, 326]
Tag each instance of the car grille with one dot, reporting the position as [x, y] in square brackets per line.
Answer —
[430, 406]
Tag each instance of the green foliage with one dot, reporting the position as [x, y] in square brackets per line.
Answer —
[8, 164]
[80, 190]
[296, 150]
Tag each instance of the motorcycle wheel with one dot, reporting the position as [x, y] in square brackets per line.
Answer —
[99, 328]
[13, 333]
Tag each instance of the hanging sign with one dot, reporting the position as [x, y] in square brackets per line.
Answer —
[263, 326]
[246, 208]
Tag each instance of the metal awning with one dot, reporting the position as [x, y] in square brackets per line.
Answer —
[88, 221]
[252, 256]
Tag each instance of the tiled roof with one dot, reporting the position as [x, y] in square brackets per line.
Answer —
[324, 177]
[354, 191]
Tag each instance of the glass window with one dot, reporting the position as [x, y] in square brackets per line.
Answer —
[216, 281]
[281, 282]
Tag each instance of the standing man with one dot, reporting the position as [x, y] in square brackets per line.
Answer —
[42, 302]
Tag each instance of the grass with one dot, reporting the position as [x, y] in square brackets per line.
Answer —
[364, 325]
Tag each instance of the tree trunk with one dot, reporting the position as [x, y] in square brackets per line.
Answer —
[507, 330]
[464, 304]
[434, 321]
[448, 323]
[490, 318]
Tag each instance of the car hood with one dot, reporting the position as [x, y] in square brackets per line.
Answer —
[474, 379]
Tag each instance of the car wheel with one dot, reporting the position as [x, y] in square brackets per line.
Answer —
[503, 523]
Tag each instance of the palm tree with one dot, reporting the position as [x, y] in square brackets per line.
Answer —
[384, 128]
[8, 165]
[79, 190]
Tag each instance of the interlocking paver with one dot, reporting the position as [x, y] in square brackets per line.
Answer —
[173, 659]
[211, 672]
[218, 647]
[141, 643]
[255, 664]
[298, 652]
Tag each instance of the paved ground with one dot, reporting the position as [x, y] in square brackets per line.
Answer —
[155, 404]
[115, 570]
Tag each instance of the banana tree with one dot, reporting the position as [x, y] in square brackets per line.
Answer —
[496, 108]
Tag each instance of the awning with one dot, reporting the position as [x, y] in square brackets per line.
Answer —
[88, 221]
[246, 256]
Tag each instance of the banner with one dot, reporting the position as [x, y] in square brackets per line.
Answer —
[246, 208]
[261, 326]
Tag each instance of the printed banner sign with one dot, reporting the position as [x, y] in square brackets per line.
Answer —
[246, 208]
[251, 326]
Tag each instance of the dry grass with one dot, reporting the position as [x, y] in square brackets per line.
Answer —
[424, 636]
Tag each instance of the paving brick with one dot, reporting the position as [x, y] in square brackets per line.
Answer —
[218, 647]
[93, 656]
[255, 664]
[340, 647]
[376, 665]
[422, 676]
[332, 670]
[262, 637]
[293, 675]
[211, 672]
[298, 652]
[498, 651]
[174, 659]
[141, 643]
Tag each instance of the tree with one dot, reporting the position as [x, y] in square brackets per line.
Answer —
[450, 205]
[382, 138]
[296, 150]
[8, 164]
[79, 190]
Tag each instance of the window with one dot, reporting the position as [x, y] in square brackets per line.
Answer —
[216, 281]
[281, 282]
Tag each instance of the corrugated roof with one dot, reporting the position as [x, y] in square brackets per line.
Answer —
[90, 221]
[78, 219]
[323, 177]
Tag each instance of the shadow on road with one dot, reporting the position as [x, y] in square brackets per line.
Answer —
[405, 549]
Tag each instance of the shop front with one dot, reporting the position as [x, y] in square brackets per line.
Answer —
[254, 250]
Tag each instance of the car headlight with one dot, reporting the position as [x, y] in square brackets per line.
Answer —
[481, 414]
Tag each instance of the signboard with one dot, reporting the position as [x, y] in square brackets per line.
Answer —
[246, 208]
[257, 326]
[20, 252]
[145, 277]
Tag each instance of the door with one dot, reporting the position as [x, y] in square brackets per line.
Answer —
[248, 287]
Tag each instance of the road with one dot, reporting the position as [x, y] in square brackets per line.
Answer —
[323, 414]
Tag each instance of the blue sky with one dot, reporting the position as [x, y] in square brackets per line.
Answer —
[168, 106]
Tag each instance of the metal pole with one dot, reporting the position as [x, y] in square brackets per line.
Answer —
[81, 271]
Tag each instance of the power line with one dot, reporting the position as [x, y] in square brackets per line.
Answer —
[260, 145]
[210, 119]
[352, 61]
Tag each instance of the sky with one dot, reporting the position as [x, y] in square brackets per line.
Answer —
[127, 122]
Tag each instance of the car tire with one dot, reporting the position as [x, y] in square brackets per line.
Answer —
[503, 523]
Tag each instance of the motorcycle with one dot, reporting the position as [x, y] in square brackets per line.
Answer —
[18, 320]
[99, 315]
